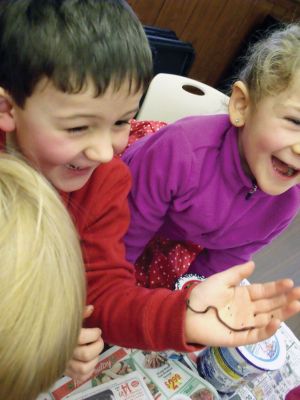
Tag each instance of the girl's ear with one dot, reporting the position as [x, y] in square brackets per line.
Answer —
[7, 122]
[239, 104]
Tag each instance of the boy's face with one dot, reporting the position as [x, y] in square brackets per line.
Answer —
[66, 136]
[270, 141]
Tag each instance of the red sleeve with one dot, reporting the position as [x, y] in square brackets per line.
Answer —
[128, 315]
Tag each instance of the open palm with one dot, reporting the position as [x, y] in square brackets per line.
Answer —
[226, 314]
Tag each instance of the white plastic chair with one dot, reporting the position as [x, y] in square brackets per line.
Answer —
[171, 97]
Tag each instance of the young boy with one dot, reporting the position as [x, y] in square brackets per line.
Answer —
[72, 74]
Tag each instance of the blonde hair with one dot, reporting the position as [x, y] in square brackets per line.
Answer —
[42, 285]
[272, 62]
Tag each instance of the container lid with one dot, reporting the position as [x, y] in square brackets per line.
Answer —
[186, 280]
[267, 355]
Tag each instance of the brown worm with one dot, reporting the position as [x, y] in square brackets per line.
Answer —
[246, 328]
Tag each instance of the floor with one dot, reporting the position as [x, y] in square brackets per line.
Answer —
[281, 259]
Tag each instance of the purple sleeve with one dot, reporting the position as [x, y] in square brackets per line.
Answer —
[158, 177]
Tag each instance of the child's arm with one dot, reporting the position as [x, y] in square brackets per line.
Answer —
[128, 315]
[231, 315]
[222, 313]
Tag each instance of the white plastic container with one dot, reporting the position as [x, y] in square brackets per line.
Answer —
[226, 368]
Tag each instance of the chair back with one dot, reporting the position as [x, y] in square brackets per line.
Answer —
[171, 97]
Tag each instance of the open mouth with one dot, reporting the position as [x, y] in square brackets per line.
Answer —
[283, 169]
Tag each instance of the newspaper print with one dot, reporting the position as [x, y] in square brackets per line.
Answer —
[128, 387]
[168, 378]
[165, 378]
[172, 378]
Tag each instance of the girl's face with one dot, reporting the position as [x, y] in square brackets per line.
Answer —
[269, 140]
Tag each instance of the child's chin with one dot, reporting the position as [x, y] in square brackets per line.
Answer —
[275, 191]
[69, 186]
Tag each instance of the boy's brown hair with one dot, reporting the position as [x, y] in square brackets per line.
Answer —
[68, 42]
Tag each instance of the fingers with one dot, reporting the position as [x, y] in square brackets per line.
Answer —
[233, 276]
[88, 311]
[85, 356]
[270, 289]
[88, 352]
[287, 311]
[89, 335]
[266, 305]
[80, 371]
[257, 334]
[262, 320]
[280, 307]
[266, 325]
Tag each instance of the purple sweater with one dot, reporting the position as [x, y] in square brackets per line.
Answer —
[188, 184]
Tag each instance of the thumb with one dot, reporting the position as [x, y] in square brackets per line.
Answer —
[233, 276]
[88, 311]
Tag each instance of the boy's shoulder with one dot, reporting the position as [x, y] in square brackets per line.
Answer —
[110, 183]
[109, 174]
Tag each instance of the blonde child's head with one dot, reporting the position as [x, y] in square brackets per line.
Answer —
[42, 287]
[272, 63]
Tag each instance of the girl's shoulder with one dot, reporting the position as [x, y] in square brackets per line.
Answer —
[203, 130]
[185, 141]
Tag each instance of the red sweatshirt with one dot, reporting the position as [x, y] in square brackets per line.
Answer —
[128, 315]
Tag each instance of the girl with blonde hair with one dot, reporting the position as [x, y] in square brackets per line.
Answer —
[42, 286]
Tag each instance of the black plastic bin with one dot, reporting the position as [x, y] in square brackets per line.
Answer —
[170, 55]
[160, 32]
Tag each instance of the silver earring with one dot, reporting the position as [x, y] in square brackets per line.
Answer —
[237, 120]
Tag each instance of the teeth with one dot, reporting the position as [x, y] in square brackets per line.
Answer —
[290, 171]
[283, 168]
[71, 166]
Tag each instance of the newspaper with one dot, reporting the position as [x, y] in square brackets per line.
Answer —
[163, 377]
[131, 387]
[169, 375]
[269, 385]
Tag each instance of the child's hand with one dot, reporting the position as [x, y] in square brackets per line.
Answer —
[261, 307]
[85, 356]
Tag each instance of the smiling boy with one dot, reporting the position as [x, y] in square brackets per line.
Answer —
[67, 136]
